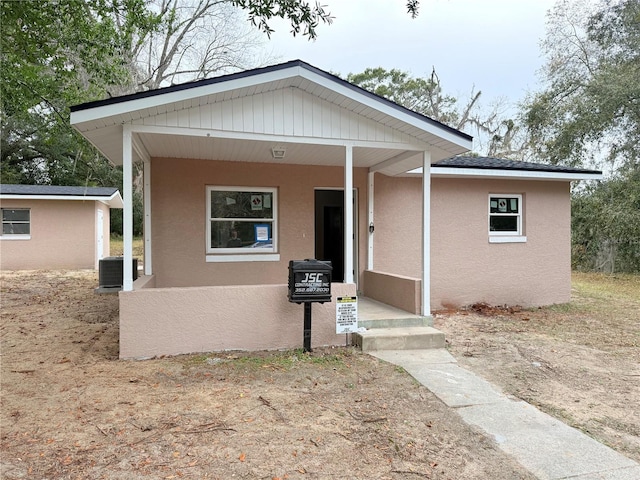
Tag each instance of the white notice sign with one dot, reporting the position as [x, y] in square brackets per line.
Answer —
[346, 314]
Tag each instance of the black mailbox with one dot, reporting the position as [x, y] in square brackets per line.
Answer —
[309, 281]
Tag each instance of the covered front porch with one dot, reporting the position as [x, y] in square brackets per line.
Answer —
[277, 136]
[171, 321]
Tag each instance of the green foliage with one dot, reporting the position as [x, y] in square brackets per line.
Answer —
[605, 224]
[302, 16]
[138, 215]
[590, 110]
[56, 54]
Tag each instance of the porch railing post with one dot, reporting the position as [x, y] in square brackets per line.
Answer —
[348, 215]
[127, 214]
[426, 234]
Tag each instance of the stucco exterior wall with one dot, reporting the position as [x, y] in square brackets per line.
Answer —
[172, 321]
[178, 205]
[63, 235]
[465, 267]
[395, 290]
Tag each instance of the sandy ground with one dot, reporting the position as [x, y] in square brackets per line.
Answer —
[579, 362]
[71, 410]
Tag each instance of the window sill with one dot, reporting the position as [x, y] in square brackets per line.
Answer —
[268, 257]
[508, 239]
[15, 237]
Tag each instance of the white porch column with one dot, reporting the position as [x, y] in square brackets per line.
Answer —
[148, 270]
[370, 221]
[426, 234]
[127, 214]
[348, 215]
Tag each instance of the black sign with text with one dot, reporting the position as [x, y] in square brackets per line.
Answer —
[309, 281]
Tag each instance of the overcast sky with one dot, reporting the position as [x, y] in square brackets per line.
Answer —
[490, 44]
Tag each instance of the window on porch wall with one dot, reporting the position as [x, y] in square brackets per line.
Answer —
[241, 220]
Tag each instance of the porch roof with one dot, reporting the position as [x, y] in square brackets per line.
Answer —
[107, 195]
[102, 122]
[490, 167]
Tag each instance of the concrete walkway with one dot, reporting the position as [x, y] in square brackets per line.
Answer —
[545, 446]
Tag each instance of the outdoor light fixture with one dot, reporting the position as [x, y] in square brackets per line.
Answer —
[278, 152]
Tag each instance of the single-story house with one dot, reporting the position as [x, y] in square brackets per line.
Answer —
[247, 171]
[55, 227]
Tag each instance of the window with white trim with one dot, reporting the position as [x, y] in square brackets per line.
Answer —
[241, 220]
[505, 217]
[16, 222]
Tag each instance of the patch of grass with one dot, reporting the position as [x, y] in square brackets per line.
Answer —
[401, 370]
[606, 287]
[291, 358]
[194, 360]
[117, 246]
[280, 360]
[565, 308]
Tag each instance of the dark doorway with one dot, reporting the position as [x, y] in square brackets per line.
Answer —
[334, 240]
[329, 237]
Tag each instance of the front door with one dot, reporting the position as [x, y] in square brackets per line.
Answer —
[329, 237]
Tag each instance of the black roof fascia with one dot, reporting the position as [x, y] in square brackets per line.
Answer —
[490, 163]
[258, 71]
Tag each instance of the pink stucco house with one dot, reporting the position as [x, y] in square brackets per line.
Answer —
[247, 171]
[55, 227]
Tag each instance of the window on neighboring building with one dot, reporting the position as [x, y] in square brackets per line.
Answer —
[241, 220]
[505, 217]
[16, 222]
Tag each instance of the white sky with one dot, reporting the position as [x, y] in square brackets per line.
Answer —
[490, 44]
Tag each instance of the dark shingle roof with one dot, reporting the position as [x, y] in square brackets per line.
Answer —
[6, 189]
[490, 163]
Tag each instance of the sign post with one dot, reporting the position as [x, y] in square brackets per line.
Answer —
[309, 281]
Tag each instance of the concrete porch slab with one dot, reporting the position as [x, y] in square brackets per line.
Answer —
[374, 314]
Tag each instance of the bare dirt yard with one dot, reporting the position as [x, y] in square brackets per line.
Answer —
[71, 409]
[579, 362]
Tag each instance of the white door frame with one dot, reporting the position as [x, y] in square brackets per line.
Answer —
[355, 229]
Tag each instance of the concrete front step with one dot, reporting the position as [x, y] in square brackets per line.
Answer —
[396, 322]
[399, 338]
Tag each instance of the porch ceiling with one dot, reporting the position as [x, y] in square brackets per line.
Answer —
[225, 149]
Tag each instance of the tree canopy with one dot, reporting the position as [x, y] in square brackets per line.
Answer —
[498, 135]
[57, 54]
[589, 110]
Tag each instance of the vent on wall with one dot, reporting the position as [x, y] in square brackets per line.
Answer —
[110, 272]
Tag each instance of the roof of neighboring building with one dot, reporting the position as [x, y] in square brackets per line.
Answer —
[108, 195]
[504, 164]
